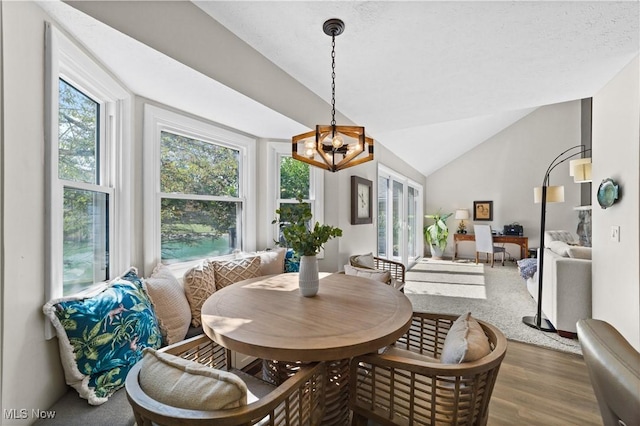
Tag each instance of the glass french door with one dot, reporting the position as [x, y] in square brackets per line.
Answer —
[399, 217]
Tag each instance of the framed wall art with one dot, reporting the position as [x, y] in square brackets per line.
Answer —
[483, 210]
[361, 201]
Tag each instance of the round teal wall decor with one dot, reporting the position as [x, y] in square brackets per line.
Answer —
[607, 193]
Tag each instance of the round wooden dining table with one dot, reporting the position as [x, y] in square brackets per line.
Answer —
[268, 318]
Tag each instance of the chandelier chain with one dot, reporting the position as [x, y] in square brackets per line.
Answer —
[333, 79]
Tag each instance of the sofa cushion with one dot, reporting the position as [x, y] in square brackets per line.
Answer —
[188, 384]
[199, 283]
[579, 252]
[170, 303]
[232, 271]
[101, 335]
[559, 247]
[465, 341]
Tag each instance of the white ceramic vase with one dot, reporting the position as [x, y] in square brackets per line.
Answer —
[308, 277]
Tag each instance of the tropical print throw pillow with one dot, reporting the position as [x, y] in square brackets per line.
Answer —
[101, 337]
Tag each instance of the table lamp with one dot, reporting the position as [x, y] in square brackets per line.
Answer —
[462, 215]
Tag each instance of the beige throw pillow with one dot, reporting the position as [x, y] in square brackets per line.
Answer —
[373, 274]
[465, 341]
[170, 303]
[364, 261]
[199, 283]
[188, 384]
[232, 271]
[272, 261]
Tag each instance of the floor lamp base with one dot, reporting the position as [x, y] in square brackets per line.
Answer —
[545, 325]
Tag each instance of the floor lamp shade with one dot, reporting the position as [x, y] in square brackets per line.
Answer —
[555, 194]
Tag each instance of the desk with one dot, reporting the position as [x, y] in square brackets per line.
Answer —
[523, 242]
[266, 317]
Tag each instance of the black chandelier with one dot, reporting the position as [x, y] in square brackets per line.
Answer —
[333, 147]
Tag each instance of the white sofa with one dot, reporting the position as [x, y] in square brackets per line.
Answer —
[566, 282]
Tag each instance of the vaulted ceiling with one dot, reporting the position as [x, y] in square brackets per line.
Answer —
[429, 80]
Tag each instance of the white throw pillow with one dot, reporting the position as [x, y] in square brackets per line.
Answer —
[373, 274]
[188, 384]
[169, 302]
[465, 341]
[559, 247]
[272, 261]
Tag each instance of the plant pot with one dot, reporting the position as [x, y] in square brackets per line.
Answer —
[436, 253]
[308, 278]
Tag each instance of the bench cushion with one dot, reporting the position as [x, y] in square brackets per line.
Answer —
[71, 410]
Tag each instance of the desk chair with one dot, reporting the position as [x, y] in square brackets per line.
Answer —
[484, 243]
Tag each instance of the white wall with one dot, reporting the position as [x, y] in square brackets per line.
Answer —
[31, 375]
[505, 169]
[31, 372]
[616, 154]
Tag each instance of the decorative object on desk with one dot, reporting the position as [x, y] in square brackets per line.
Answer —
[333, 147]
[548, 194]
[361, 201]
[306, 241]
[483, 210]
[437, 233]
[608, 192]
[462, 215]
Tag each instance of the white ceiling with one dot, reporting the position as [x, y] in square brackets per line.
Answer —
[429, 80]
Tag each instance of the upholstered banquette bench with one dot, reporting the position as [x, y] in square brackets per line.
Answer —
[102, 334]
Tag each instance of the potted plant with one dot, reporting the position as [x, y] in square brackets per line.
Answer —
[306, 241]
[437, 233]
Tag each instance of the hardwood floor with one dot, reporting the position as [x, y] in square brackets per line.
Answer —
[538, 386]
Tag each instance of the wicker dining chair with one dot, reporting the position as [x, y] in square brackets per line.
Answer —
[298, 401]
[409, 386]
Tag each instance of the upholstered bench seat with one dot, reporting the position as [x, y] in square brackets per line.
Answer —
[72, 410]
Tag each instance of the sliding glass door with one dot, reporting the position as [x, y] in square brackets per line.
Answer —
[399, 217]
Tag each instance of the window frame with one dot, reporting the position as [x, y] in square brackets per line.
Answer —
[66, 60]
[157, 120]
[275, 151]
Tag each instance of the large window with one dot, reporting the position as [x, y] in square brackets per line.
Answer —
[291, 180]
[197, 189]
[206, 223]
[86, 129]
[399, 217]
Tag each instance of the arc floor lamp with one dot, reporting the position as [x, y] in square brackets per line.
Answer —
[548, 194]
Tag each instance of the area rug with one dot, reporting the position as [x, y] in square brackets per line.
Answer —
[497, 295]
